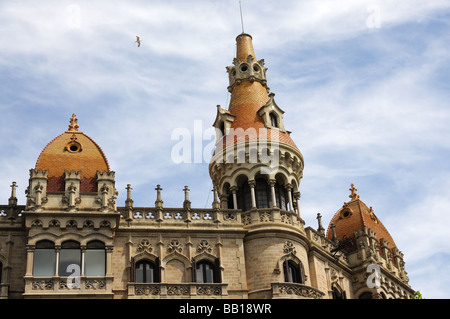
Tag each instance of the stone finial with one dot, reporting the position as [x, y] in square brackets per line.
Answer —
[73, 126]
[353, 194]
[334, 238]
[187, 202]
[128, 201]
[215, 203]
[320, 229]
[13, 199]
[158, 202]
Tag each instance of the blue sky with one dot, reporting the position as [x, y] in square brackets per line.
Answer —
[365, 86]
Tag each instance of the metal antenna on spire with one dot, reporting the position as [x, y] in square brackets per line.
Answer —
[242, 19]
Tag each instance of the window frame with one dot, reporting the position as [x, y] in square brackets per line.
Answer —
[70, 246]
[40, 271]
[152, 267]
[216, 271]
[94, 246]
[293, 272]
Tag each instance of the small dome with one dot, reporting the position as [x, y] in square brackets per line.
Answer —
[72, 151]
[353, 216]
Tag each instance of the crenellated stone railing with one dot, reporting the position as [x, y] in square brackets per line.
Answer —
[288, 290]
[176, 291]
[232, 217]
[101, 287]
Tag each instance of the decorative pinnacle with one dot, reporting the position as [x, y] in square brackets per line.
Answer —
[353, 194]
[73, 126]
[319, 221]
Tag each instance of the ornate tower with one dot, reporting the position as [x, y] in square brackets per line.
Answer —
[252, 143]
[257, 168]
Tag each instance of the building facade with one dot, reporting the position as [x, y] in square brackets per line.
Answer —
[71, 239]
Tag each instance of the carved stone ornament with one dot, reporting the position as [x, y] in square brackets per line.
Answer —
[230, 216]
[144, 246]
[147, 290]
[42, 285]
[177, 290]
[95, 284]
[36, 223]
[174, 246]
[289, 248]
[88, 224]
[208, 290]
[54, 223]
[204, 246]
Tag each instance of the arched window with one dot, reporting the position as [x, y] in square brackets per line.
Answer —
[292, 272]
[207, 272]
[338, 293]
[273, 120]
[44, 259]
[145, 271]
[70, 255]
[95, 259]
[280, 195]
[262, 192]
[244, 197]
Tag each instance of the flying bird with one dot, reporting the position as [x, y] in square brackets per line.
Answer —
[138, 41]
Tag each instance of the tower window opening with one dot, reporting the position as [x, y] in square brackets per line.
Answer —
[262, 193]
[222, 128]
[244, 68]
[292, 272]
[273, 120]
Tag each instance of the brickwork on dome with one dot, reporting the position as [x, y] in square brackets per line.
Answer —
[355, 215]
[57, 158]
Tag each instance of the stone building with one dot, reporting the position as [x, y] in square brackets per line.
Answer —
[71, 240]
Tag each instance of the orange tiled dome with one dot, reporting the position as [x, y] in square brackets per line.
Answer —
[354, 215]
[72, 150]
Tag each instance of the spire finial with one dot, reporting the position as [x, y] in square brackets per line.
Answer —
[73, 126]
[353, 194]
[242, 19]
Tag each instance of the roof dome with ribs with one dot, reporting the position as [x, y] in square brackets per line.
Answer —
[355, 215]
[72, 151]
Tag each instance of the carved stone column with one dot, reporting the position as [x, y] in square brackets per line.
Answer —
[288, 188]
[233, 190]
[252, 185]
[272, 183]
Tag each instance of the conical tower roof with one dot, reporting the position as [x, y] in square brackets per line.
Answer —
[249, 94]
